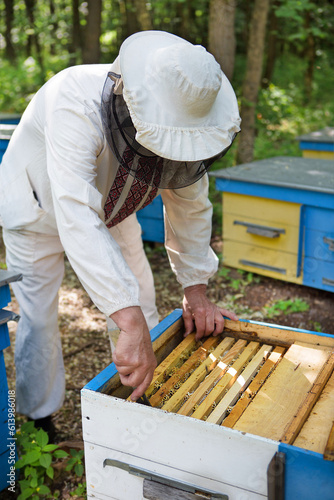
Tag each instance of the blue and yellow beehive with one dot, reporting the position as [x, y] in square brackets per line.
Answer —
[318, 144]
[7, 442]
[278, 219]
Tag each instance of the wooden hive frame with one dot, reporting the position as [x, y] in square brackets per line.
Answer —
[275, 382]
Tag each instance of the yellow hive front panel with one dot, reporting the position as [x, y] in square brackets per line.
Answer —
[283, 237]
[272, 263]
[318, 155]
[272, 211]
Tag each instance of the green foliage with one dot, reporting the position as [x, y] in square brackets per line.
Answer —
[238, 283]
[80, 491]
[317, 326]
[20, 82]
[283, 114]
[75, 462]
[293, 14]
[286, 307]
[36, 461]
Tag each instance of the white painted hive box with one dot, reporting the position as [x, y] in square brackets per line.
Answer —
[245, 397]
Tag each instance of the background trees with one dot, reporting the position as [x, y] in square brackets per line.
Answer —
[252, 81]
[282, 72]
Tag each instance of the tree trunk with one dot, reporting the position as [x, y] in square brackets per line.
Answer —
[185, 19]
[310, 57]
[272, 46]
[77, 42]
[54, 24]
[143, 15]
[182, 21]
[91, 52]
[221, 34]
[247, 8]
[129, 19]
[33, 39]
[9, 50]
[30, 15]
[252, 80]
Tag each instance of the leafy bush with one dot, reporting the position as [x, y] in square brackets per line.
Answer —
[36, 460]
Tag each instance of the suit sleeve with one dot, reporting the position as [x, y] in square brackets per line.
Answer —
[188, 214]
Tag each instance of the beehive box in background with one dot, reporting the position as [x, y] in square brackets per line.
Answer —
[6, 132]
[278, 219]
[151, 219]
[246, 415]
[8, 123]
[318, 144]
[7, 399]
[10, 118]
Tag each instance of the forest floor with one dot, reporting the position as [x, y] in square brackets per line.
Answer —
[86, 346]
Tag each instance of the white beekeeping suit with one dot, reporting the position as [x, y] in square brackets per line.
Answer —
[65, 185]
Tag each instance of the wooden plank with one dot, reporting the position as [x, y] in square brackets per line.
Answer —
[212, 378]
[239, 385]
[175, 357]
[254, 387]
[225, 382]
[164, 344]
[168, 389]
[251, 336]
[292, 429]
[283, 392]
[314, 433]
[265, 334]
[329, 449]
[174, 403]
[167, 334]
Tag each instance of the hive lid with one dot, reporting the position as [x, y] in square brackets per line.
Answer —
[284, 171]
[6, 131]
[6, 316]
[7, 277]
[324, 135]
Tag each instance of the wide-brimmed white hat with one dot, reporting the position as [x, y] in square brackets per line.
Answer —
[182, 105]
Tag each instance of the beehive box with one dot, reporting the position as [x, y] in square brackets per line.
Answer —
[278, 219]
[318, 144]
[6, 132]
[246, 415]
[10, 118]
[7, 442]
[151, 219]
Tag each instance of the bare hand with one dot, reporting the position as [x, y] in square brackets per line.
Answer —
[202, 315]
[134, 357]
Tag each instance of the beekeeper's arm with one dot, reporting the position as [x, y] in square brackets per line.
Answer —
[188, 214]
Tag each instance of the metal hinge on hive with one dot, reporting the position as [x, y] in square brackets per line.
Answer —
[166, 487]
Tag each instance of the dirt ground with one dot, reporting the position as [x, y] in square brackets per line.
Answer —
[86, 347]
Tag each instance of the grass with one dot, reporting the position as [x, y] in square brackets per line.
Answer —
[286, 307]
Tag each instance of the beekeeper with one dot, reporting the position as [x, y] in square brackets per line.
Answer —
[95, 144]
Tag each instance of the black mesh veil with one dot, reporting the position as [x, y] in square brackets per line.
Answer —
[141, 163]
